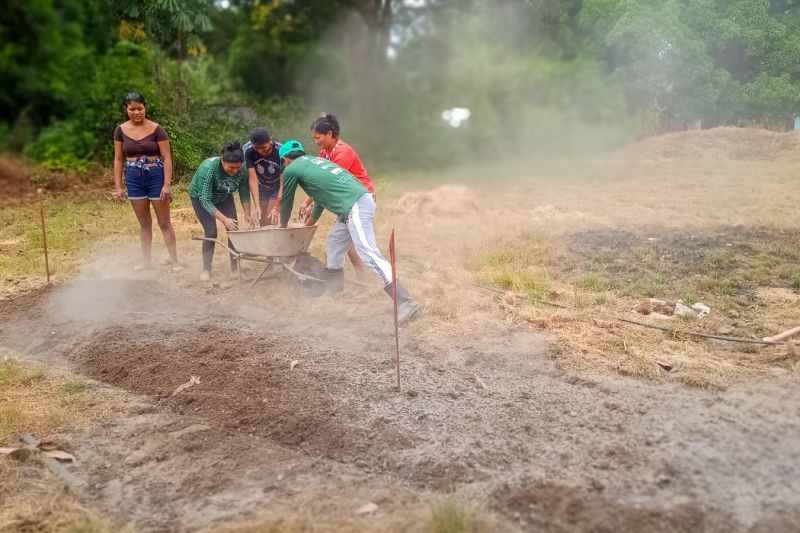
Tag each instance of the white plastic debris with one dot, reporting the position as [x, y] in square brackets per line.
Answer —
[367, 509]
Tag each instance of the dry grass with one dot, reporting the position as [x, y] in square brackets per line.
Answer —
[605, 239]
[40, 402]
[34, 500]
[43, 403]
[76, 228]
[446, 514]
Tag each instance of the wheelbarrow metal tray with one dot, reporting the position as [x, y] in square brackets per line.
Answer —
[272, 241]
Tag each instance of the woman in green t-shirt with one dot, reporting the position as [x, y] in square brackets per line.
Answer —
[211, 192]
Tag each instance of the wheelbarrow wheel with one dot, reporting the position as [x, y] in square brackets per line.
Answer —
[312, 267]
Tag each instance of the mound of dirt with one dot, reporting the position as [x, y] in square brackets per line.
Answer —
[19, 180]
[246, 385]
[15, 179]
[447, 200]
[724, 142]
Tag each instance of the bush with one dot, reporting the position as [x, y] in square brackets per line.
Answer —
[64, 146]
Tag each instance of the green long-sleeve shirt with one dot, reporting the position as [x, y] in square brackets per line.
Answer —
[211, 184]
[332, 187]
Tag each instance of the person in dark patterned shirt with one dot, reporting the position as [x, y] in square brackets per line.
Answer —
[264, 175]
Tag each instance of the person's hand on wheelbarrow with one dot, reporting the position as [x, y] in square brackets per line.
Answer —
[255, 215]
[230, 224]
[274, 216]
[305, 210]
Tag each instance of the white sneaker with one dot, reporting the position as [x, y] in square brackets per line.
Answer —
[205, 276]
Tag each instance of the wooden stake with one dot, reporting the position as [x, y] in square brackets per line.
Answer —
[393, 256]
[784, 335]
[44, 235]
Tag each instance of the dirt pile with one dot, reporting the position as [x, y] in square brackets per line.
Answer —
[16, 180]
[444, 201]
[725, 142]
[247, 384]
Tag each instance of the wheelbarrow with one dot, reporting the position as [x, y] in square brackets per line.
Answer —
[285, 250]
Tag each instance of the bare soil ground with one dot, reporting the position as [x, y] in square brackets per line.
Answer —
[491, 409]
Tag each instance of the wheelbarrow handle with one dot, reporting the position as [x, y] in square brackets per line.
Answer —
[209, 239]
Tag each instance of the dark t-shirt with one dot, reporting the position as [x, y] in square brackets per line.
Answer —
[268, 169]
[147, 145]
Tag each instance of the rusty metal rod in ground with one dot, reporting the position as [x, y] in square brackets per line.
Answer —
[393, 256]
[44, 235]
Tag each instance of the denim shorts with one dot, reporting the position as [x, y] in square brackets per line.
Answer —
[265, 194]
[143, 181]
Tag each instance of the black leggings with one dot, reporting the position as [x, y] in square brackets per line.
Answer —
[228, 208]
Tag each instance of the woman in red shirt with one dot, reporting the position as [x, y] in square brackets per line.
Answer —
[325, 132]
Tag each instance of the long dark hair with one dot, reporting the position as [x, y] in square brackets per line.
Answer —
[326, 123]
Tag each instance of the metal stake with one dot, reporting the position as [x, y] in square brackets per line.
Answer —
[44, 234]
[392, 254]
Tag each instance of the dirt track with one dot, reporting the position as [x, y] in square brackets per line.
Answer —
[256, 439]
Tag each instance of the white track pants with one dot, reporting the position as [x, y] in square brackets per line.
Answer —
[358, 231]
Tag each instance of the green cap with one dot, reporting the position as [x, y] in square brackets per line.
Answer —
[290, 146]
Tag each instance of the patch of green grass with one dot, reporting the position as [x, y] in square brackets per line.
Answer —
[535, 284]
[650, 284]
[72, 227]
[24, 377]
[505, 279]
[451, 514]
[75, 385]
[718, 285]
[519, 265]
[593, 282]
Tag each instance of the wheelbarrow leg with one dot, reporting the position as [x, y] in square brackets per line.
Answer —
[258, 278]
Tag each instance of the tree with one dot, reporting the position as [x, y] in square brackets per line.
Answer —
[173, 24]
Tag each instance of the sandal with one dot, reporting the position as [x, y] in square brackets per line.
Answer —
[176, 268]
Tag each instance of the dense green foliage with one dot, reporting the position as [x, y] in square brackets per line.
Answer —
[536, 75]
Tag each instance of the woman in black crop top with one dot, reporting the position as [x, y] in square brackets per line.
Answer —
[142, 156]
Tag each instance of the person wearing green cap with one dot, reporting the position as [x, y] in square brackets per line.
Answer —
[337, 190]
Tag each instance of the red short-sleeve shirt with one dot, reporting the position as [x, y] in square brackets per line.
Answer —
[347, 158]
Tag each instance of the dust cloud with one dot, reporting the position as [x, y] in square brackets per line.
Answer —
[462, 86]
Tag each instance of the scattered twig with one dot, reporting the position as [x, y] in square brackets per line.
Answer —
[193, 380]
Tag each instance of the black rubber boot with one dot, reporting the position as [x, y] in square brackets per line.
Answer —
[407, 306]
[334, 280]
